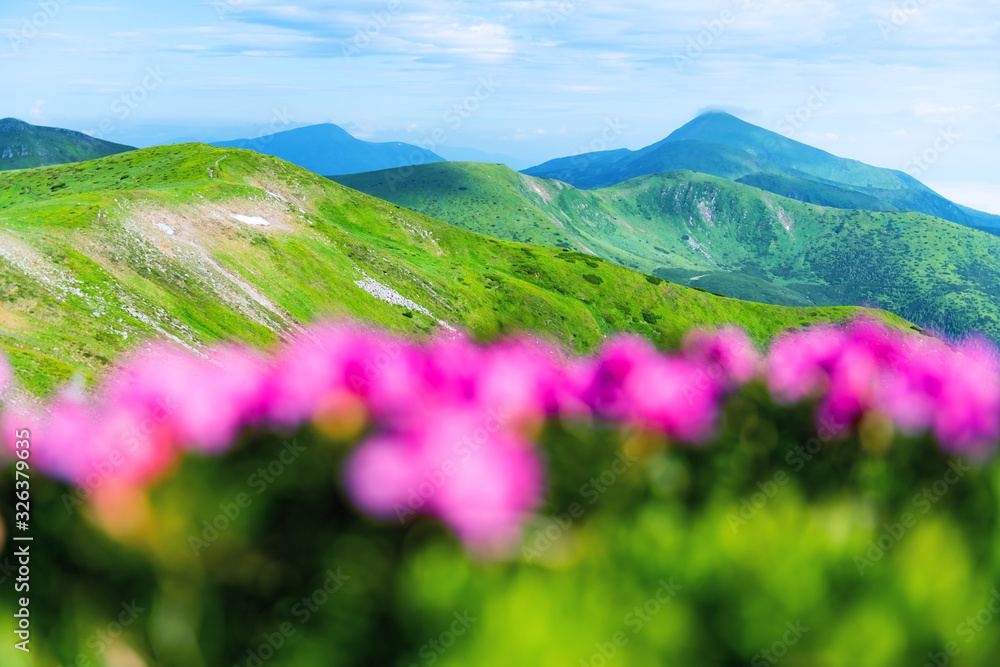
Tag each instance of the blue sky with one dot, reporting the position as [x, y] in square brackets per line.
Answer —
[884, 82]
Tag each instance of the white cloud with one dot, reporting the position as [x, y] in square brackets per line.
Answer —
[925, 109]
[36, 112]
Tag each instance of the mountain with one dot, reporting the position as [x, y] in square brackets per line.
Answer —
[23, 146]
[726, 237]
[720, 144]
[329, 149]
[198, 244]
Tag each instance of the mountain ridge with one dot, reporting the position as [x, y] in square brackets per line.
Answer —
[327, 148]
[27, 146]
[719, 144]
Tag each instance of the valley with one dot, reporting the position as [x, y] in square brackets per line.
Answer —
[747, 243]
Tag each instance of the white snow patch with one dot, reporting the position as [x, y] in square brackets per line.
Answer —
[706, 212]
[389, 295]
[167, 228]
[251, 220]
[698, 277]
[695, 246]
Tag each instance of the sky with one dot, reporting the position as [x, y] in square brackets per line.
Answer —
[906, 84]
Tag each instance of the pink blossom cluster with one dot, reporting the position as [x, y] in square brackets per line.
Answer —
[447, 427]
[919, 382]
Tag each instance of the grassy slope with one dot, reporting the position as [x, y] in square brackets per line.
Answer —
[88, 266]
[732, 238]
[25, 146]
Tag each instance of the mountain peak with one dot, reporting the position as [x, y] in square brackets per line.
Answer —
[329, 150]
[707, 126]
[9, 124]
[715, 112]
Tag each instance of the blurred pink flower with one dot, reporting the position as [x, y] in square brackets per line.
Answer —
[727, 353]
[460, 466]
[635, 384]
[799, 363]
[205, 400]
[451, 417]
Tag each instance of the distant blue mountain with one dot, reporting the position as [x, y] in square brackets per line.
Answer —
[329, 150]
[719, 144]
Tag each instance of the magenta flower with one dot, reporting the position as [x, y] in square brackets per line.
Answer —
[326, 362]
[727, 354]
[451, 417]
[205, 400]
[61, 437]
[635, 384]
[967, 414]
[799, 364]
[460, 466]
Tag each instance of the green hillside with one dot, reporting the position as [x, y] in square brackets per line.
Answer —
[728, 238]
[96, 257]
[24, 146]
